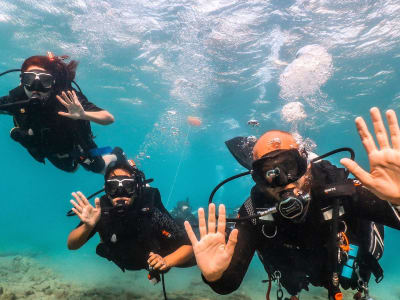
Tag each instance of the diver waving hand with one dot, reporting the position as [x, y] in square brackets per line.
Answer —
[384, 176]
[308, 222]
[52, 120]
[213, 254]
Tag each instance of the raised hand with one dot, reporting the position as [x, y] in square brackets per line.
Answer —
[88, 214]
[384, 177]
[212, 254]
[72, 104]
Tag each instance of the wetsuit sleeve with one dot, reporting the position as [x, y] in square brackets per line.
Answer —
[5, 100]
[91, 234]
[244, 252]
[166, 225]
[368, 206]
[86, 104]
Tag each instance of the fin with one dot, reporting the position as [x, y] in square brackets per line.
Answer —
[241, 148]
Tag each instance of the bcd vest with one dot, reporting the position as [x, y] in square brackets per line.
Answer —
[127, 236]
[284, 242]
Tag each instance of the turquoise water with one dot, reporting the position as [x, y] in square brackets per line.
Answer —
[304, 66]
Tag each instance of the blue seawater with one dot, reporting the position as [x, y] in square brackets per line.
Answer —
[306, 66]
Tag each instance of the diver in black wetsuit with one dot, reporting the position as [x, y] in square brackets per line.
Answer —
[325, 229]
[52, 120]
[136, 230]
[183, 212]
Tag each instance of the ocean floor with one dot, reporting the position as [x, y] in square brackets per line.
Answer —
[26, 277]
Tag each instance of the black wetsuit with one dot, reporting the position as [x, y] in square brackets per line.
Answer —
[129, 237]
[300, 251]
[45, 134]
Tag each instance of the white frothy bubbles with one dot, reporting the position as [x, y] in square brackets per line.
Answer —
[305, 143]
[293, 112]
[304, 76]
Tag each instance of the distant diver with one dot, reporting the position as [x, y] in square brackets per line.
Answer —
[183, 212]
[308, 222]
[52, 119]
[135, 229]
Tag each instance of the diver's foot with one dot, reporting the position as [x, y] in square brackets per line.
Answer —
[119, 153]
[20, 135]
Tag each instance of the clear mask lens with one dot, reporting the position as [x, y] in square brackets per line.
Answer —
[37, 81]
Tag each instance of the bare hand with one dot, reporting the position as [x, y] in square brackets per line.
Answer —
[384, 177]
[157, 262]
[72, 104]
[212, 254]
[88, 214]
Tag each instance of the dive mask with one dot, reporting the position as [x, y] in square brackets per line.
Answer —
[121, 186]
[36, 80]
[279, 168]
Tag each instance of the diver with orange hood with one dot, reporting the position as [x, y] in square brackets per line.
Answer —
[308, 221]
[52, 119]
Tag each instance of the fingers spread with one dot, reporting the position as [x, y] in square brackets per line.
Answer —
[190, 233]
[365, 135]
[83, 198]
[357, 171]
[76, 205]
[221, 219]
[76, 212]
[202, 223]
[394, 128]
[78, 199]
[66, 98]
[211, 218]
[379, 127]
[74, 97]
[62, 101]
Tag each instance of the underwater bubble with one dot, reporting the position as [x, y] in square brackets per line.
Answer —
[293, 111]
[305, 75]
[251, 139]
[304, 143]
[232, 123]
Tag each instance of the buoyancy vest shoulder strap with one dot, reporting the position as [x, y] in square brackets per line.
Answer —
[151, 197]
[18, 93]
[324, 173]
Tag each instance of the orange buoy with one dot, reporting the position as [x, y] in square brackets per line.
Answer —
[194, 121]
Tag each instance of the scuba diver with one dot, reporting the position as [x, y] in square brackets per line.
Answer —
[308, 222]
[52, 119]
[136, 230]
[183, 212]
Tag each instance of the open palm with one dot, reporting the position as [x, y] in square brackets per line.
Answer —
[71, 102]
[384, 176]
[88, 214]
[213, 254]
